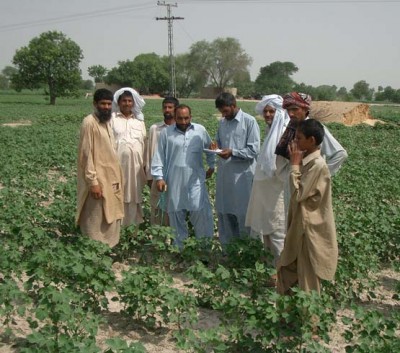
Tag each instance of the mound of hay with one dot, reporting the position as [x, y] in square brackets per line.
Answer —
[347, 113]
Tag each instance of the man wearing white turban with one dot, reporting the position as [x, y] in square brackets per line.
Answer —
[130, 137]
[266, 213]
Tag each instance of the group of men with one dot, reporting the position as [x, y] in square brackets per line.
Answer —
[253, 189]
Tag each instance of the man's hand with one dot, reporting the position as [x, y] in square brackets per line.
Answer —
[213, 145]
[209, 173]
[296, 156]
[226, 153]
[161, 185]
[95, 191]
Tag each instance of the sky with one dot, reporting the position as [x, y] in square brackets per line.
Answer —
[332, 42]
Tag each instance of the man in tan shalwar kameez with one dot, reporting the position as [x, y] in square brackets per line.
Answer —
[310, 252]
[100, 194]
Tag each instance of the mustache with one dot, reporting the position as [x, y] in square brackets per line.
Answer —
[168, 116]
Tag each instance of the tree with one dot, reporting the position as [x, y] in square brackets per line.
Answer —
[7, 74]
[385, 94]
[185, 79]
[218, 62]
[151, 74]
[3, 82]
[146, 73]
[275, 78]
[362, 91]
[325, 93]
[123, 74]
[51, 59]
[342, 94]
[98, 72]
[87, 85]
[244, 85]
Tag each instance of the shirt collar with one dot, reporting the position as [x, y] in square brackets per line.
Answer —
[238, 115]
[191, 127]
[120, 115]
[311, 157]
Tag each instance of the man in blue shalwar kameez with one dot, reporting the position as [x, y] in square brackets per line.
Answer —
[238, 136]
[178, 164]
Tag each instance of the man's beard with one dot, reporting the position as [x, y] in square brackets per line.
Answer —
[168, 116]
[103, 115]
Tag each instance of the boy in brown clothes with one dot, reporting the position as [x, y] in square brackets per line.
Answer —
[310, 252]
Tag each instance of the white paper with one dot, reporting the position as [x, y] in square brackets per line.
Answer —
[213, 151]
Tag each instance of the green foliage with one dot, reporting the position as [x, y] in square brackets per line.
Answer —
[219, 62]
[98, 72]
[51, 59]
[276, 78]
[370, 331]
[362, 91]
[67, 276]
[147, 295]
[147, 73]
[67, 327]
[118, 345]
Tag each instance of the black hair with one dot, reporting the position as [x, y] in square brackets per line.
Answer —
[225, 99]
[125, 94]
[183, 106]
[101, 94]
[172, 100]
[312, 127]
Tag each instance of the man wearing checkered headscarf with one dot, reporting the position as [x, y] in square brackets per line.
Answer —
[298, 107]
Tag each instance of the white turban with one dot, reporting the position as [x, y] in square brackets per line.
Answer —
[273, 100]
[267, 157]
[137, 98]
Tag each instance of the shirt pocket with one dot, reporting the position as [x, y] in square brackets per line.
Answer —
[136, 134]
[240, 138]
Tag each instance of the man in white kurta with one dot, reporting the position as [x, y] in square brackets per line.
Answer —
[178, 170]
[100, 201]
[159, 215]
[238, 137]
[130, 137]
[265, 214]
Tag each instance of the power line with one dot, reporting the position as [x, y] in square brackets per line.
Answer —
[293, 1]
[77, 16]
[170, 20]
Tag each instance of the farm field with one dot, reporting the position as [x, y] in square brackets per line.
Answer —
[61, 292]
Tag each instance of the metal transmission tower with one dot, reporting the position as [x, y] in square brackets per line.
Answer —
[170, 20]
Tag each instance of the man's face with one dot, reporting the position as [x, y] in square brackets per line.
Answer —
[182, 119]
[102, 109]
[228, 111]
[296, 113]
[168, 112]
[268, 114]
[126, 103]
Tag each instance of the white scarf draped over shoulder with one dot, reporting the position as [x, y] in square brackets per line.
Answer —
[137, 98]
[267, 158]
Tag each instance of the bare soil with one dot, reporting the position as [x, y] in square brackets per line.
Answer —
[161, 339]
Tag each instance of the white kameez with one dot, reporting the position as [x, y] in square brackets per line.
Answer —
[130, 135]
[266, 214]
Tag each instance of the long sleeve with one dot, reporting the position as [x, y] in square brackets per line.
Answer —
[158, 161]
[86, 154]
[312, 188]
[252, 147]
[210, 157]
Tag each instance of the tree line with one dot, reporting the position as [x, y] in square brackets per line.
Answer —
[51, 61]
